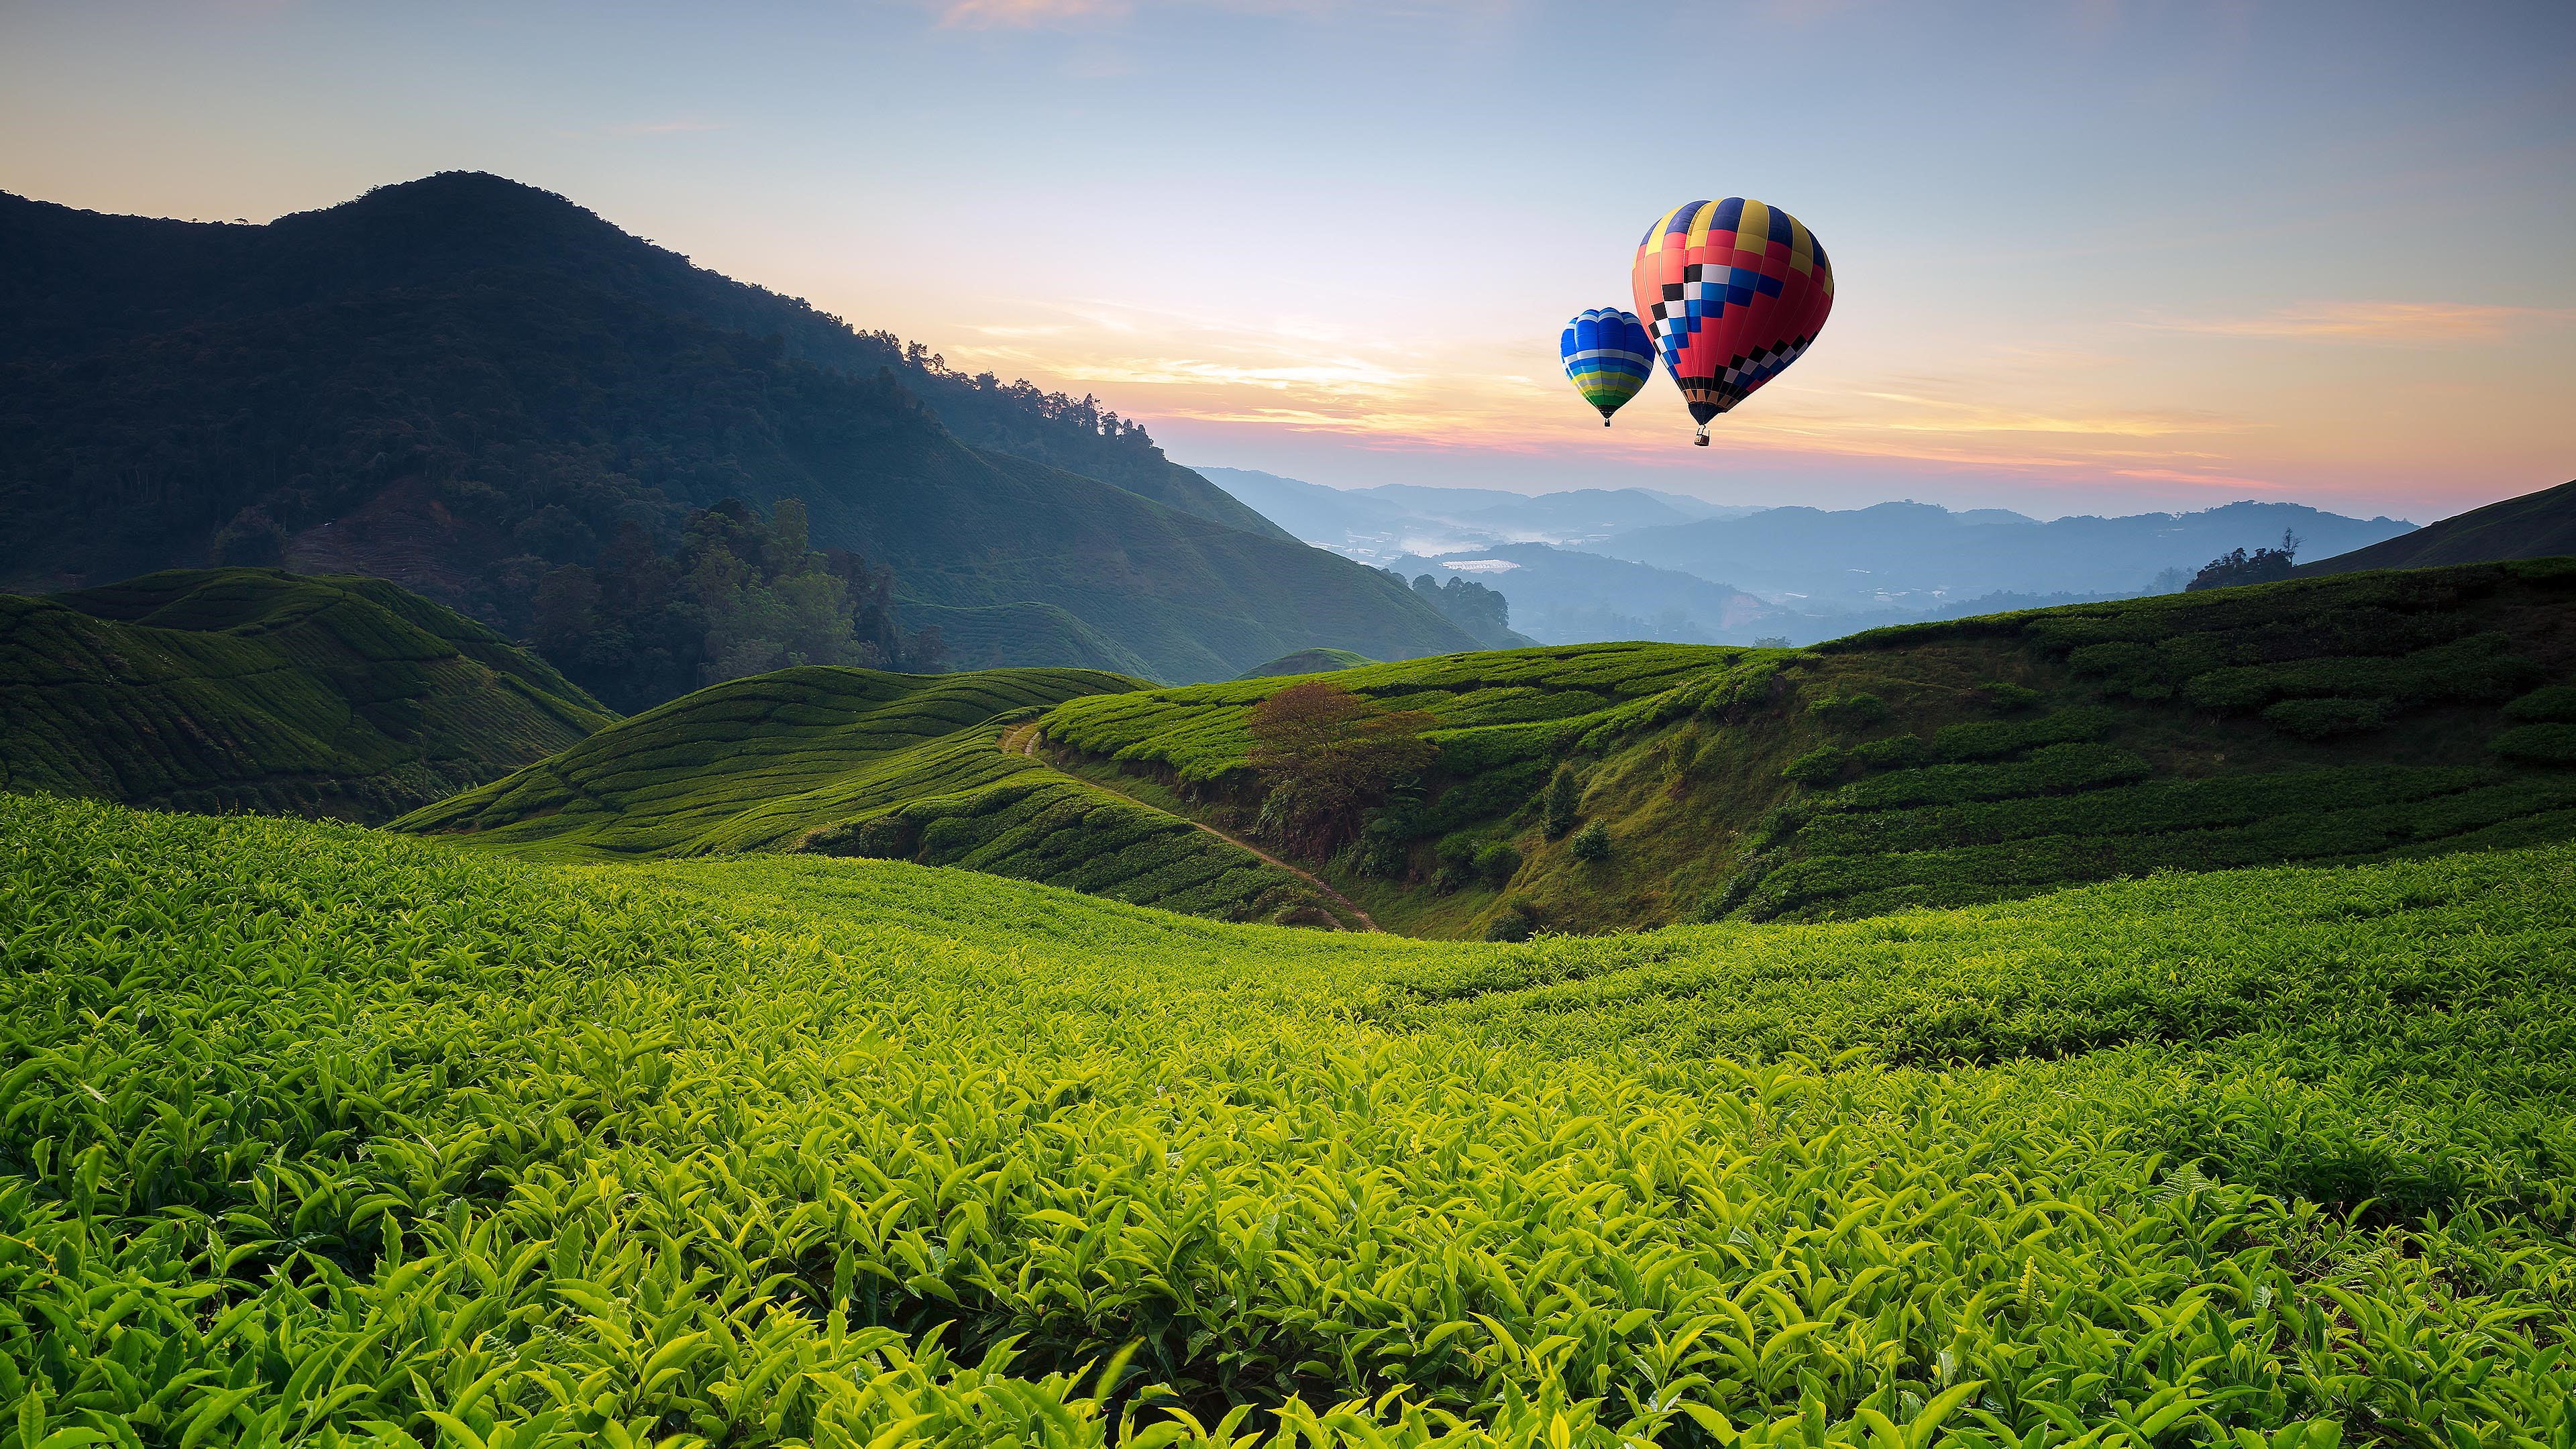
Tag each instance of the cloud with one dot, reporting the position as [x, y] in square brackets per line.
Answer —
[2373, 322]
[663, 128]
[1023, 14]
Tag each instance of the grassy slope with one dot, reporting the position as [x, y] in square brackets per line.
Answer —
[2161, 733]
[1307, 661]
[349, 1124]
[860, 762]
[2534, 525]
[247, 689]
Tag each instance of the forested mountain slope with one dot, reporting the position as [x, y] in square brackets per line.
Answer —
[2344, 718]
[2535, 525]
[79, 281]
[861, 762]
[253, 689]
[469, 410]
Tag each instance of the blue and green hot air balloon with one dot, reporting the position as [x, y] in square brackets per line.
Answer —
[1608, 355]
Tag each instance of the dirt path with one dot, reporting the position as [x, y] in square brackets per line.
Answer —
[1023, 739]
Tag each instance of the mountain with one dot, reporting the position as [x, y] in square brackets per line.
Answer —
[1939, 765]
[464, 385]
[2535, 525]
[1566, 596]
[1916, 557]
[254, 689]
[858, 762]
[1381, 524]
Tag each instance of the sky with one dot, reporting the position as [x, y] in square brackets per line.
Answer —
[2090, 256]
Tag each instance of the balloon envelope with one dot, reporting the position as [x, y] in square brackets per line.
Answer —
[1733, 292]
[1608, 356]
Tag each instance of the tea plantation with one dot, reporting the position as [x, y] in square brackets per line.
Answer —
[254, 689]
[861, 762]
[310, 1134]
[2354, 717]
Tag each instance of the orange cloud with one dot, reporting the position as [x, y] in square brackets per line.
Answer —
[1017, 14]
[2374, 322]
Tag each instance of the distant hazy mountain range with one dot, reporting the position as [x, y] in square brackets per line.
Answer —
[1918, 557]
[468, 386]
[1398, 520]
[1597, 564]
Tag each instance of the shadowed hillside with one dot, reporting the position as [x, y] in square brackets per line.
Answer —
[468, 386]
[1938, 764]
[2535, 525]
[857, 762]
[252, 689]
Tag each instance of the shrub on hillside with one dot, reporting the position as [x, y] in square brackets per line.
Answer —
[1896, 752]
[2004, 694]
[1516, 921]
[2555, 704]
[2476, 669]
[1992, 739]
[1324, 754]
[2074, 766]
[1497, 861]
[1849, 711]
[879, 837]
[1564, 799]
[2317, 719]
[2539, 744]
[1591, 843]
[1816, 767]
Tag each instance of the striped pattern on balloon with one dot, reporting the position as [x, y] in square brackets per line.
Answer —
[1733, 292]
[1608, 356]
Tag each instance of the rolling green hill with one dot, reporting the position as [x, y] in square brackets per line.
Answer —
[857, 762]
[1307, 661]
[318, 1130]
[2535, 525]
[253, 689]
[2345, 718]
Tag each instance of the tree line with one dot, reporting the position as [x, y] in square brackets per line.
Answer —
[741, 595]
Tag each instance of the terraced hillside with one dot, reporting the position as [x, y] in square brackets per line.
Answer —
[252, 689]
[322, 1134]
[1308, 661]
[2334, 719]
[858, 762]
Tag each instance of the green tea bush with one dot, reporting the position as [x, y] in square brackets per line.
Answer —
[2051, 768]
[1994, 739]
[2539, 744]
[312, 1133]
[2480, 668]
[1896, 752]
[1857, 710]
[2318, 719]
[1818, 766]
[2550, 704]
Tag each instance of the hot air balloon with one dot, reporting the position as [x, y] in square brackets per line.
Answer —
[1608, 356]
[1733, 291]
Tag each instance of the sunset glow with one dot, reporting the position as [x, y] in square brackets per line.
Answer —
[2092, 257]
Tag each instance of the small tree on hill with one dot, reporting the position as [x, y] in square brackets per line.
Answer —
[2262, 566]
[1324, 754]
[1563, 801]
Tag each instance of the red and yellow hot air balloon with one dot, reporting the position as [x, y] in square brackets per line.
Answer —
[1733, 292]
